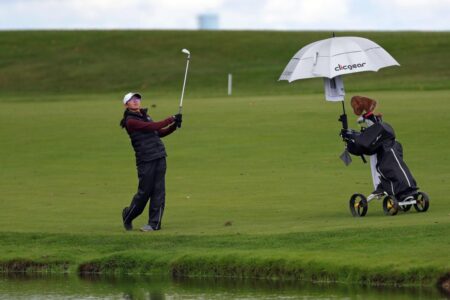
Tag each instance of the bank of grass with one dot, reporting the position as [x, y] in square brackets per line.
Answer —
[254, 188]
[74, 62]
[344, 256]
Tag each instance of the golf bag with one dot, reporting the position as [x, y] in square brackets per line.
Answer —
[379, 139]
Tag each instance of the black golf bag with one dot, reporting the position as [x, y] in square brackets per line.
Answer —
[379, 139]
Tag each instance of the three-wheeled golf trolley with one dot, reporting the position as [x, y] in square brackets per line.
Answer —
[359, 204]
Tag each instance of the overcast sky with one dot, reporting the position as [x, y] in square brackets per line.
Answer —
[232, 14]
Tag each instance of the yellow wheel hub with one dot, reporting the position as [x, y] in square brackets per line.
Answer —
[389, 205]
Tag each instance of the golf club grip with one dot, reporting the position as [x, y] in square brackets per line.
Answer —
[343, 120]
[179, 112]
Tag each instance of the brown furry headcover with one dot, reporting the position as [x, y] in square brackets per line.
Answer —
[362, 105]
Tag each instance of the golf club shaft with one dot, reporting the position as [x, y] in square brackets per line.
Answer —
[184, 84]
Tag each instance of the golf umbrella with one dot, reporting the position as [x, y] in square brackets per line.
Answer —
[330, 59]
[337, 56]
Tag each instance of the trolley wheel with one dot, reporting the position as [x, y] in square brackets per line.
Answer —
[358, 205]
[423, 202]
[390, 206]
[406, 208]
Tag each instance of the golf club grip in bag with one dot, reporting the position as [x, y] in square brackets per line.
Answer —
[343, 120]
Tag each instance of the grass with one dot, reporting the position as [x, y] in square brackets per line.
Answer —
[266, 165]
[76, 62]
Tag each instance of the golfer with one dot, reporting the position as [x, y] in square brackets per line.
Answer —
[145, 135]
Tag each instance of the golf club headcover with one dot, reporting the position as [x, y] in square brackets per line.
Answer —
[361, 104]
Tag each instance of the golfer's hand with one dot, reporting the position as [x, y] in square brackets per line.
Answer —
[178, 120]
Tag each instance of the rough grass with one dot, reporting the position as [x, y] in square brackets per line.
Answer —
[73, 62]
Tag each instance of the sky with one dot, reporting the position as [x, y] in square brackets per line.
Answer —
[232, 14]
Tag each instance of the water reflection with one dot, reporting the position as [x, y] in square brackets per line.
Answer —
[35, 286]
[270, 289]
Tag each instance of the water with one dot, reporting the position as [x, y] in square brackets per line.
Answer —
[19, 286]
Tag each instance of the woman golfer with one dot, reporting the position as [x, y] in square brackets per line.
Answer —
[145, 135]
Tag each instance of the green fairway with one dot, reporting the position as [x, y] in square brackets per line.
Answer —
[255, 187]
[266, 165]
[245, 160]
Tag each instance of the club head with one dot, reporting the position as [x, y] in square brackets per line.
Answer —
[186, 51]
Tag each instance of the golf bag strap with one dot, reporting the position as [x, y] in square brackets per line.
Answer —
[363, 159]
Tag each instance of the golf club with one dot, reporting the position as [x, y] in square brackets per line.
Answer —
[185, 51]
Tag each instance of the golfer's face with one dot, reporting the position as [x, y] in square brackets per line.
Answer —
[134, 103]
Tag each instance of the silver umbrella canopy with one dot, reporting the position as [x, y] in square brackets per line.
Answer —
[333, 57]
[337, 56]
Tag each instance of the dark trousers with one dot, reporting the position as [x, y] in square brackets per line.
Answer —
[151, 187]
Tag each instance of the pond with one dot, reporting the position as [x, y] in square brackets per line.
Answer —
[20, 286]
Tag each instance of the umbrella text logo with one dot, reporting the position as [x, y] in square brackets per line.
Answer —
[349, 67]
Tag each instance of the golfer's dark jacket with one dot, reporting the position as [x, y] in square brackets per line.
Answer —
[396, 178]
[147, 144]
